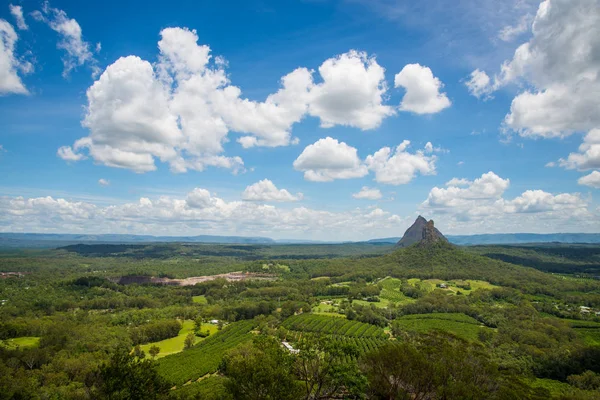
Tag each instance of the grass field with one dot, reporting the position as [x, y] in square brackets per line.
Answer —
[199, 299]
[452, 286]
[175, 344]
[25, 342]
[327, 309]
[391, 291]
[382, 303]
[460, 325]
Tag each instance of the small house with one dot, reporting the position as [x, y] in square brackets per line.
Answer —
[443, 286]
[214, 321]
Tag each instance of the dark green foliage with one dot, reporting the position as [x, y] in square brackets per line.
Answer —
[439, 367]
[155, 331]
[261, 370]
[124, 377]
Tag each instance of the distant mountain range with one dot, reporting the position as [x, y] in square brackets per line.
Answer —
[51, 240]
[48, 240]
[511, 238]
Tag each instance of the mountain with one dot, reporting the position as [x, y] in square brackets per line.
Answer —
[521, 238]
[50, 240]
[423, 232]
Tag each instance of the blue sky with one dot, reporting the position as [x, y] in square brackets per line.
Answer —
[315, 119]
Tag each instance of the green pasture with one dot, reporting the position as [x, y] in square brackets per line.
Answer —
[176, 344]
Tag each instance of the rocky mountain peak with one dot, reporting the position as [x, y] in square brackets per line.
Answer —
[422, 232]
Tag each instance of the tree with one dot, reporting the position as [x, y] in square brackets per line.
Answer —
[260, 371]
[154, 350]
[126, 377]
[138, 352]
[189, 341]
[398, 371]
[327, 370]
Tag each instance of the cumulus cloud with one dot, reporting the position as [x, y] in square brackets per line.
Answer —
[480, 206]
[488, 186]
[77, 51]
[399, 166]
[368, 194]
[266, 191]
[591, 180]
[10, 64]
[181, 109]
[17, 13]
[560, 69]
[351, 93]
[588, 156]
[423, 94]
[103, 182]
[200, 212]
[328, 159]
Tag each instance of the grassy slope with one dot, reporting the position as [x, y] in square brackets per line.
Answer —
[175, 344]
[24, 342]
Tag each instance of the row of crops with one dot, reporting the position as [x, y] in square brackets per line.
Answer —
[332, 326]
[205, 357]
[363, 345]
[390, 290]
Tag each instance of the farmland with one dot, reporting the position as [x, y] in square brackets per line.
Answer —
[204, 358]
[460, 325]
[444, 306]
[331, 325]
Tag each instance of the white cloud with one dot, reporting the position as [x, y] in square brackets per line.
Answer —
[511, 32]
[181, 109]
[398, 166]
[458, 182]
[327, 159]
[480, 206]
[479, 85]
[489, 186]
[17, 13]
[67, 154]
[560, 68]
[460, 163]
[265, 190]
[588, 156]
[368, 194]
[71, 40]
[103, 182]
[10, 65]
[422, 90]
[198, 213]
[351, 93]
[591, 180]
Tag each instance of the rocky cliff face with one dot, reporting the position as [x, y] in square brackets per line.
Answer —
[431, 235]
[423, 232]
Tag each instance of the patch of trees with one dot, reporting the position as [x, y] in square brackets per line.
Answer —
[155, 331]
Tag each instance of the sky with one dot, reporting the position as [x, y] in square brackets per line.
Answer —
[308, 119]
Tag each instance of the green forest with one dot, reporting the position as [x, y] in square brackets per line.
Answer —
[347, 321]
